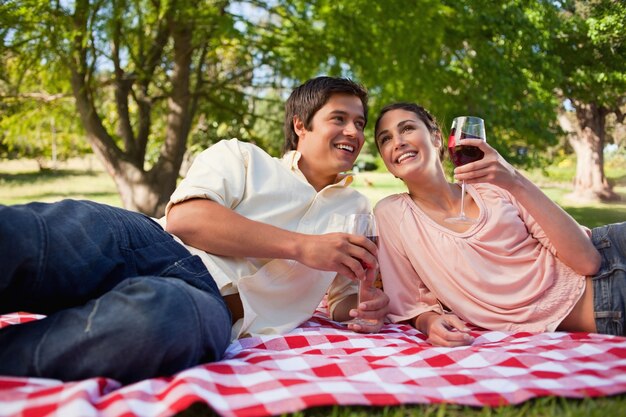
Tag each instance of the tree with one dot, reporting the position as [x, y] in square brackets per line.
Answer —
[513, 62]
[139, 73]
[591, 45]
[35, 122]
[453, 57]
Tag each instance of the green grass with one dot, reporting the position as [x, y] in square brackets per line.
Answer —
[20, 182]
[377, 185]
[539, 407]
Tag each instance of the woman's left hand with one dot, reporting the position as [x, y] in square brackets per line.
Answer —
[374, 311]
[572, 245]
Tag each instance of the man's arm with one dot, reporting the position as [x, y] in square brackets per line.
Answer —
[209, 226]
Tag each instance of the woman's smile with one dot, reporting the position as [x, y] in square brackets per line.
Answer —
[406, 155]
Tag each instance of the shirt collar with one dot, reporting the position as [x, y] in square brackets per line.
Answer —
[291, 159]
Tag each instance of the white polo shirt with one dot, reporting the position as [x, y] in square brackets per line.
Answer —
[277, 294]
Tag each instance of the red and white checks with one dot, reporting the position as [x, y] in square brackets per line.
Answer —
[321, 363]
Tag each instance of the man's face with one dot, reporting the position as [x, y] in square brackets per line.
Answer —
[334, 141]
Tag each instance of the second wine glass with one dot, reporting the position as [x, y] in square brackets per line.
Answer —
[465, 127]
[362, 224]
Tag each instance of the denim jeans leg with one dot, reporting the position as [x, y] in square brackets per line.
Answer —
[58, 255]
[67, 253]
[609, 284]
[75, 261]
[144, 327]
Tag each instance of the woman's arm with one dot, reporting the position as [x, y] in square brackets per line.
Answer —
[572, 244]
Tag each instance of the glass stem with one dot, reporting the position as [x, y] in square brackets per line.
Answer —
[463, 198]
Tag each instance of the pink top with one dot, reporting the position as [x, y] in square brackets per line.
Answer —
[501, 274]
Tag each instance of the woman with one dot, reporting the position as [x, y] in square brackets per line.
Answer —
[525, 265]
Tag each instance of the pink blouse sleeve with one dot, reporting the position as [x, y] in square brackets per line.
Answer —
[531, 225]
[408, 296]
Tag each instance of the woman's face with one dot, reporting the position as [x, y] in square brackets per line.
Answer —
[405, 143]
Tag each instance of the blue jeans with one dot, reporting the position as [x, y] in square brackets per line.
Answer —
[122, 298]
[609, 284]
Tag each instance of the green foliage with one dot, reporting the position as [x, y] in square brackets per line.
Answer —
[503, 61]
[454, 58]
[38, 119]
[589, 43]
[42, 131]
[123, 52]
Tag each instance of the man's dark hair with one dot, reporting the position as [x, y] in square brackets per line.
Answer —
[311, 96]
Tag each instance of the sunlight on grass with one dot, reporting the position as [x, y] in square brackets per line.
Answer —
[377, 185]
[22, 182]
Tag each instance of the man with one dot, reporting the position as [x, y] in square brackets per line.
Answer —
[254, 242]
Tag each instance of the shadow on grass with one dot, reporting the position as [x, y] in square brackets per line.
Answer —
[621, 180]
[44, 176]
[95, 196]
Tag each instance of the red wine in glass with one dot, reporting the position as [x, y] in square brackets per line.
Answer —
[378, 283]
[465, 127]
[463, 154]
[373, 239]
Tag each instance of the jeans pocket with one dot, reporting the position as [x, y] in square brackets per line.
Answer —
[192, 270]
[610, 322]
[600, 237]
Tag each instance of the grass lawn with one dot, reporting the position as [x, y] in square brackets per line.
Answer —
[20, 182]
[377, 185]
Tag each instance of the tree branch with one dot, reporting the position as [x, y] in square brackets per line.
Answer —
[45, 97]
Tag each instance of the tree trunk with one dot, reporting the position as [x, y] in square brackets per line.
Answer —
[140, 190]
[586, 135]
[180, 115]
[143, 191]
[146, 192]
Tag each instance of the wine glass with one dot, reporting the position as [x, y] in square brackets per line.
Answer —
[362, 224]
[465, 127]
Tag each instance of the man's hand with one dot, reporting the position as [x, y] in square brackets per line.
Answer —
[221, 231]
[347, 254]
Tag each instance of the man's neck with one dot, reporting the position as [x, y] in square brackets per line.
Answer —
[320, 183]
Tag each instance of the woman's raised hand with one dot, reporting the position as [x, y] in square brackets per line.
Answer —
[492, 168]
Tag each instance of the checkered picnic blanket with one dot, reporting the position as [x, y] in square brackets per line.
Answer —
[321, 363]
